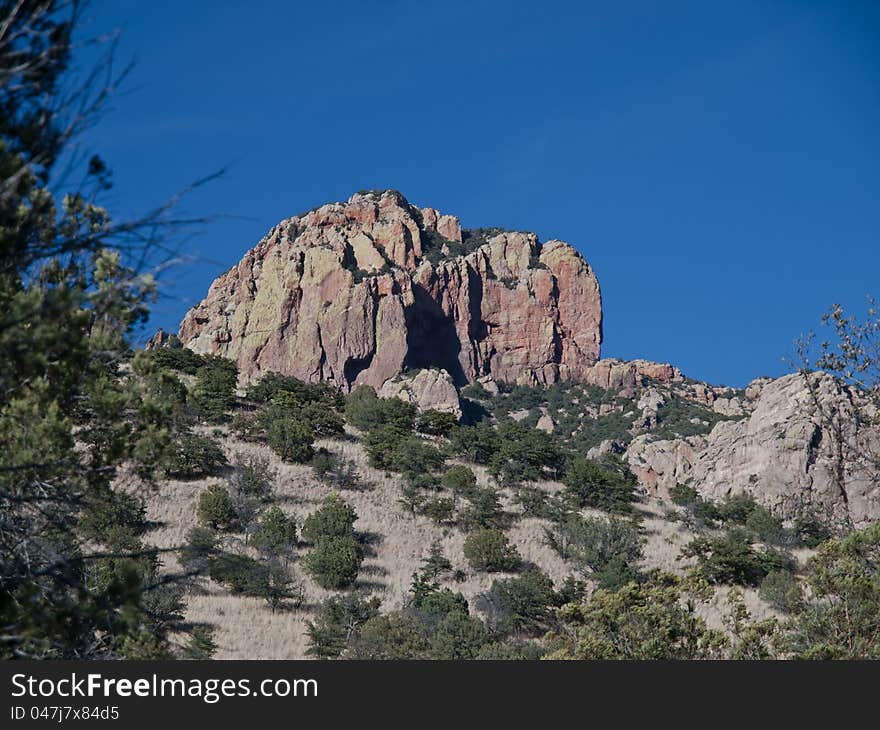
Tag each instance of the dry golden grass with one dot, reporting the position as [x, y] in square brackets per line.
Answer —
[397, 543]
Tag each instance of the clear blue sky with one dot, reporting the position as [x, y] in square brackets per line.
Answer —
[718, 164]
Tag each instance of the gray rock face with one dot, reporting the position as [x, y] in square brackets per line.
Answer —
[784, 454]
[428, 389]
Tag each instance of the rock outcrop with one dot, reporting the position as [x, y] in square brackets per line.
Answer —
[428, 389]
[784, 454]
[358, 292]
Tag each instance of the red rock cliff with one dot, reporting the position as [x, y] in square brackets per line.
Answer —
[356, 292]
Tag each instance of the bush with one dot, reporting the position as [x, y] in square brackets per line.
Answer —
[439, 509]
[590, 484]
[275, 535]
[337, 620]
[336, 471]
[810, 530]
[436, 423]
[292, 440]
[391, 449]
[731, 558]
[460, 480]
[484, 510]
[490, 551]
[592, 543]
[214, 392]
[200, 547]
[616, 574]
[767, 528]
[458, 636]
[478, 444]
[192, 456]
[782, 590]
[683, 495]
[334, 518]
[524, 453]
[180, 359]
[253, 477]
[524, 603]
[215, 508]
[273, 385]
[398, 635]
[365, 411]
[531, 499]
[334, 562]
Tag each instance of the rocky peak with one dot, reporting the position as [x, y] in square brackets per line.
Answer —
[360, 291]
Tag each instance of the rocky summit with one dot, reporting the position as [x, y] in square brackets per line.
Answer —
[358, 292]
[376, 291]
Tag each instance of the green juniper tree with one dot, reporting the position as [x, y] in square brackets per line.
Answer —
[76, 579]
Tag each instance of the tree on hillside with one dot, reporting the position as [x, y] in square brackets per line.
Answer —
[848, 409]
[72, 289]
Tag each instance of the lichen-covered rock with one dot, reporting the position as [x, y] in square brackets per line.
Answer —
[428, 389]
[358, 292]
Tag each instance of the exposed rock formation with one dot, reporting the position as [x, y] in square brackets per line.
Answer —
[162, 339]
[358, 292]
[428, 389]
[783, 454]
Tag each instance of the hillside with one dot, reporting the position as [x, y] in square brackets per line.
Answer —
[441, 465]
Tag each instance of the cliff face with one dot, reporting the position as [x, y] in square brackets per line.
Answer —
[356, 292]
[783, 453]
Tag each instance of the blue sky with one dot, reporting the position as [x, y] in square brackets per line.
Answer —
[718, 164]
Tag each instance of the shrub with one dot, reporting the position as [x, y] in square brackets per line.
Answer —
[338, 619]
[337, 472]
[782, 590]
[334, 518]
[439, 509]
[523, 453]
[214, 392]
[731, 558]
[273, 385]
[593, 485]
[616, 574]
[334, 562]
[398, 635]
[291, 439]
[766, 527]
[365, 411]
[810, 530]
[191, 456]
[524, 603]
[683, 495]
[275, 535]
[199, 548]
[592, 543]
[114, 510]
[215, 508]
[649, 620]
[460, 480]
[390, 448]
[478, 444]
[490, 551]
[253, 477]
[180, 358]
[531, 499]
[484, 510]
[436, 423]
[436, 563]
[458, 636]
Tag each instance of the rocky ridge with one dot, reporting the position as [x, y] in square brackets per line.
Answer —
[379, 292]
[358, 292]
